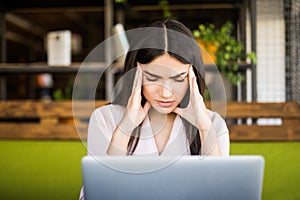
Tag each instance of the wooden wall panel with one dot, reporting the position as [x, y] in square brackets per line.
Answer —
[55, 120]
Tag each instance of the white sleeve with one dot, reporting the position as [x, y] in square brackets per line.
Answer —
[217, 134]
[101, 126]
[99, 133]
[223, 138]
[81, 196]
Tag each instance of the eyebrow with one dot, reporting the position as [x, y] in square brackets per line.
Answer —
[156, 76]
[178, 75]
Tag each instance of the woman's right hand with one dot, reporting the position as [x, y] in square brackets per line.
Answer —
[134, 113]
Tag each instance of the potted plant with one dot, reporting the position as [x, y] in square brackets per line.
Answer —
[223, 49]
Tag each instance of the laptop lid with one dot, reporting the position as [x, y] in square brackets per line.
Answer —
[188, 177]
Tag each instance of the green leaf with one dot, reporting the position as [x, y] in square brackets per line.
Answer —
[196, 33]
[58, 94]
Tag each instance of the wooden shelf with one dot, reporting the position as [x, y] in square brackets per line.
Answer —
[37, 68]
[93, 67]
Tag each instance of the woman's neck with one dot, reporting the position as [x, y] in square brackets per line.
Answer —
[160, 119]
[157, 116]
[162, 125]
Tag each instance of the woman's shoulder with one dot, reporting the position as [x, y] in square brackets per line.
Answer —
[108, 114]
[109, 109]
[214, 115]
[217, 119]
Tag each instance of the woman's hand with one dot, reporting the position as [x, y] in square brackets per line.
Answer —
[134, 113]
[133, 116]
[195, 112]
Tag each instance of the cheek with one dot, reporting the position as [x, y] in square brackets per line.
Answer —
[148, 91]
[179, 90]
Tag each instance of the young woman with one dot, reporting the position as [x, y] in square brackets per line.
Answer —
[160, 109]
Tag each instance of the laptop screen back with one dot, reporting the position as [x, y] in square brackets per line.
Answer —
[188, 177]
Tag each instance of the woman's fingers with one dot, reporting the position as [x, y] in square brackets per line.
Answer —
[137, 85]
[195, 93]
[137, 77]
[193, 80]
[178, 111]
[147, 106]
[191, 76]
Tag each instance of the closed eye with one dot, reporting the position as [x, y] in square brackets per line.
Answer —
[179, 79]
[151, 79]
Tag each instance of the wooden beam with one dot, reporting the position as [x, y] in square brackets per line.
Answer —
[264, 133]
[263, 110]
[55, 120]
[38, 131]
[39, 109]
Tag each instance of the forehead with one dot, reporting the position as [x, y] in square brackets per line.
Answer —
[165, 64]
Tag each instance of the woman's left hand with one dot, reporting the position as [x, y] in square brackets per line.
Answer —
[195, 112]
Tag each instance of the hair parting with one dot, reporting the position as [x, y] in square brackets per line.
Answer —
[166, 37]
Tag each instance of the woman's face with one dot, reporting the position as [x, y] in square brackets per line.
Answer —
[165, 82]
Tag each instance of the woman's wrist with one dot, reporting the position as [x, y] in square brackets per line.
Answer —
[204, 122]
[204, 126]
[209, 142]
[119, 142]
[126, 126]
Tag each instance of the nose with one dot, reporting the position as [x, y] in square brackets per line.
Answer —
[166, 91]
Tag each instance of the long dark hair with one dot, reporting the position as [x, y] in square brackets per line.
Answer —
[157, 38]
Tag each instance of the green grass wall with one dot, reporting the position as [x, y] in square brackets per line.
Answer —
[51, 169]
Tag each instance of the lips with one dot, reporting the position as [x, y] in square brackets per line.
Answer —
[165, 103]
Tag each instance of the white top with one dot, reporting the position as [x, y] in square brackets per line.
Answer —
[105, 119]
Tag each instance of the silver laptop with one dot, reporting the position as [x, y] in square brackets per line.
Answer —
[187, 177]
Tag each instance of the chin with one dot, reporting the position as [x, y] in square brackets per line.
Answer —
[163, 110]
